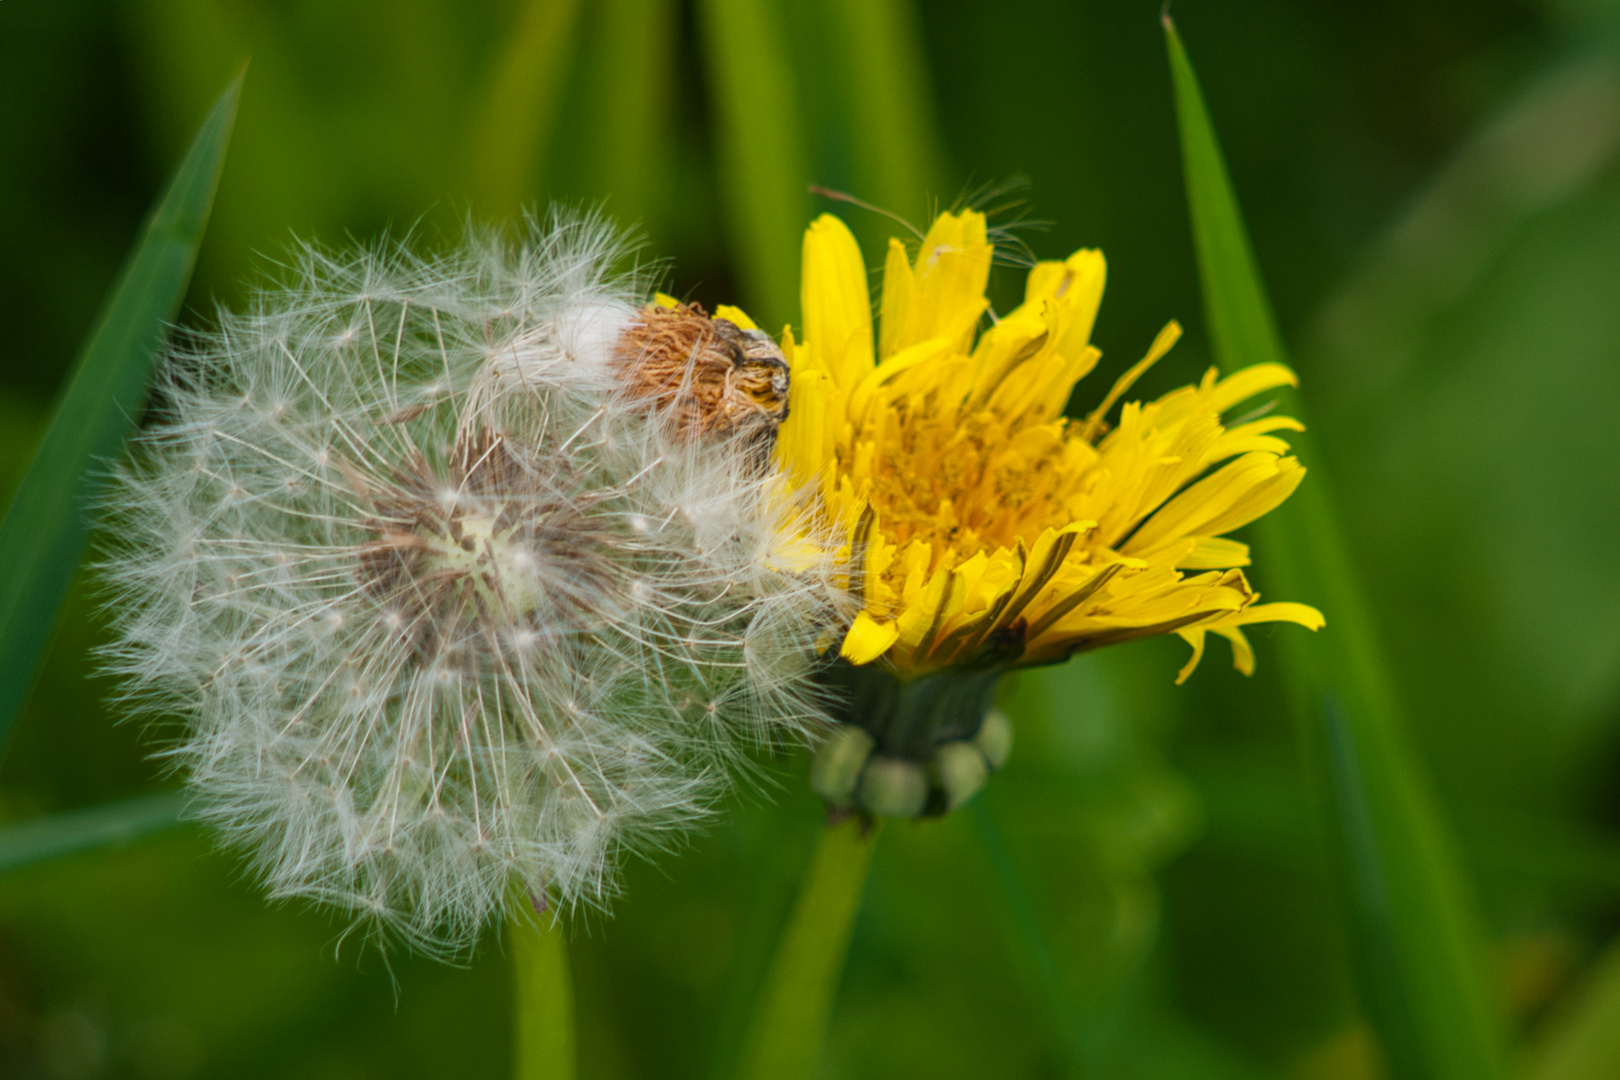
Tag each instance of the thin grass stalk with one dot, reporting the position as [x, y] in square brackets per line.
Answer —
[895, 156]
[46, 526]
[1073, 1034]
[764, 176]
[1418, 948]
[519, 110]
[543, 1039]
[789, 1024]
[630, 105]
[108, 825]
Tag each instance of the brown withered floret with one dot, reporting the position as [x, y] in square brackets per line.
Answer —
[709, 375]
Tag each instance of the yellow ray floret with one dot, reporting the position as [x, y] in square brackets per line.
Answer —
[983, 526]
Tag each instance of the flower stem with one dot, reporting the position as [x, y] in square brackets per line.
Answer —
[785, 1033]
[543, 999]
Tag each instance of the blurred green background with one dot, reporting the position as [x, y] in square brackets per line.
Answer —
[1434, 196]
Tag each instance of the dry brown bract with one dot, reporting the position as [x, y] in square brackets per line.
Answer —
[709, 375]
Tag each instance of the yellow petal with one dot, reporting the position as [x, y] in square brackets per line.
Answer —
[802, 444]
[1255, 435]
[836, 305]
[1082, 289]
[1262, 499]
[946, 289]
[1228, 499]
[868, 639]
[1161, 345]
[736, 316]
[1215, 553]
[1242, 385]
[1195, 638]
[920, 353]
[898, 283]
[1282, 611]
[1242, 651]
[1053, 396]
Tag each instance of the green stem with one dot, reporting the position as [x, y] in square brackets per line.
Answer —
[785, 1034]
[543, 998]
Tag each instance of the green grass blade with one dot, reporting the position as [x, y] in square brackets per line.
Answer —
[45, 528]
[520, 105]
[1070, 1026]
[543, 1002]
[763, 175]
[895, 156]
[630, 108]
[790, 1020]
[1417, 944]
[112, 824]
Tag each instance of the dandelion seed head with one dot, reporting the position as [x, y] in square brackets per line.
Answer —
[434, 583]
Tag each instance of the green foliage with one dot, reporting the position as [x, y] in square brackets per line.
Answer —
[1431, 189]
[1582, 1042]
[1422, 969]
[761, 158]
[122, 955]
[46, 525]
[111, 824]
[520, 107]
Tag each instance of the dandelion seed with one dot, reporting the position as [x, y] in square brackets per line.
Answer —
[424, 633]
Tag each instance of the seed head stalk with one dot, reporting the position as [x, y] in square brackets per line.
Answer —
[543, 1040]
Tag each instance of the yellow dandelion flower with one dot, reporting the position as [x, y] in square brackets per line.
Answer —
[985, 530]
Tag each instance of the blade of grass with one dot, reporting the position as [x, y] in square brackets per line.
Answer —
[894, 145]
[543, 1002]
[790, 1019]
[631, 95]
[520, 106]
[45, 528]
[763, 174]
[112, 824]
[1420, 958]
[1074, 1033]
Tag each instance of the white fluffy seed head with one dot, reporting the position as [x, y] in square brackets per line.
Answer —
[442, 607]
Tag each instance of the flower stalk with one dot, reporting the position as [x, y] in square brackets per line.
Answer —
[790, 1020]
[543, 1045]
